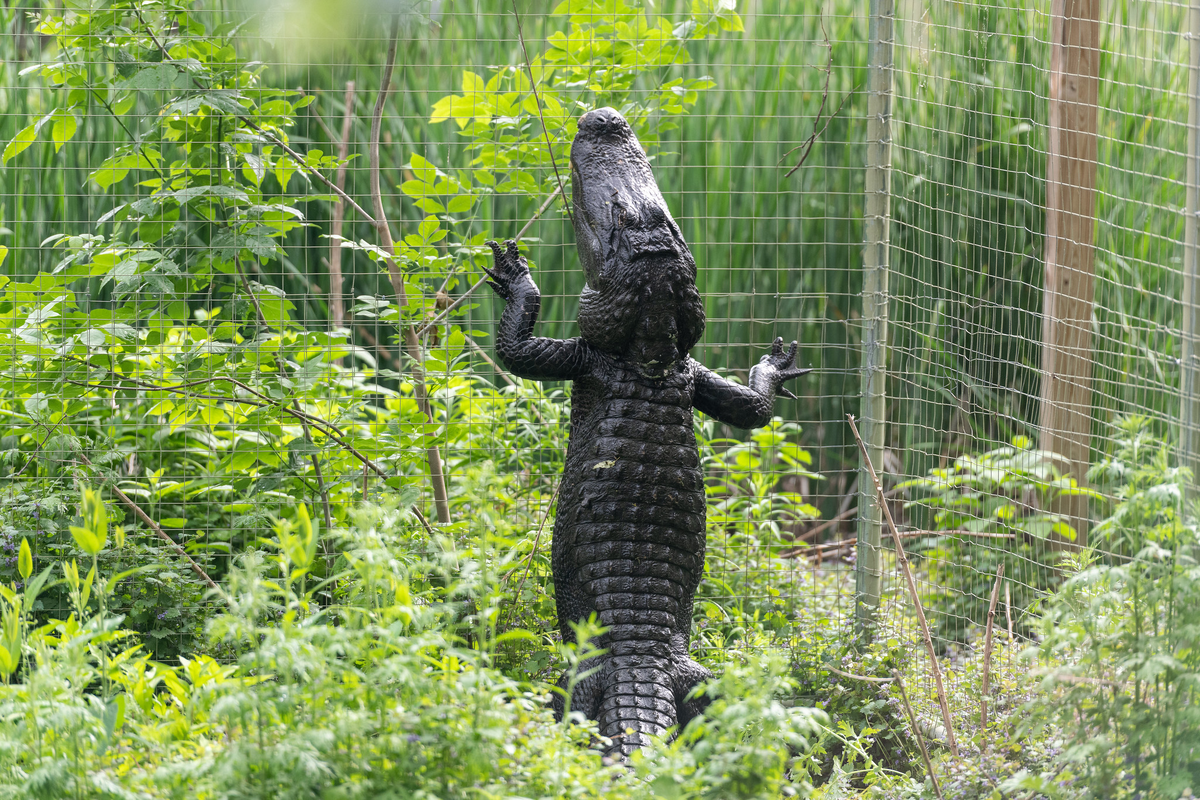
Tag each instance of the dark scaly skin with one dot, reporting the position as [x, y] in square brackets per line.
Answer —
[629, 534]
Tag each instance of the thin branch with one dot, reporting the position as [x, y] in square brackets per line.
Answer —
[437, 320]
[411, 343]
[275, 140]
[852, 676]
[812, 140]
[337, 312]
[1008, 614]
[912, 719]
[846, 544]
[538, 100]
[421, 519]
[810, 534]
[154, 526]
[987, 649]
[536, 540]
[902, 559]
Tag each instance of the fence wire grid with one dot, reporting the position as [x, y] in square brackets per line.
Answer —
[780, 253]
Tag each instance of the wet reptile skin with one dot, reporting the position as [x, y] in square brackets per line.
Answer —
[629, 535]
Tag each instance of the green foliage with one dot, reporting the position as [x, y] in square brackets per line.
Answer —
[749, 514]
[371, 693]
[991, 508]
[1121, 639]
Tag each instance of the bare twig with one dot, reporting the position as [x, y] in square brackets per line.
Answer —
[1008, 614]
[841, 516]
[912, 720]
[411, 343]
[536, 540]
[541, 116]
[987, 648]
[154, 526]
[902, 559]
[812, 140]
[421, 519]
[852, 676]
[337, 312]
[846, 544]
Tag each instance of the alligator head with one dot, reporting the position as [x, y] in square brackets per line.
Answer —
[640, 273]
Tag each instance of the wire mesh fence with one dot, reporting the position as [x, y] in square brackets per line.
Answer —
[167, 366]
[982, 167]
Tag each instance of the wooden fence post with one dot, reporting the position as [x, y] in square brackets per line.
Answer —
[876, 224]
[1066, 398]
[1189, 381]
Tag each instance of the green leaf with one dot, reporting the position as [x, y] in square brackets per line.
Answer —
[65, 125]
[423, 169]
[427, 228]
[160, 78]
[25, 560]
[460, 204]
[3, 253]
[20, 142]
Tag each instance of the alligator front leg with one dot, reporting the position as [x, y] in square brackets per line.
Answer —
[527, 356]
[747, 406]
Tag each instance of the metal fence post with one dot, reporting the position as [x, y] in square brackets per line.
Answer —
[1189, 380]
[876, 224]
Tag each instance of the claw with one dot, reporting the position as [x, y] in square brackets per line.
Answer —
[783, 390]
[514, 252]
[777, 346]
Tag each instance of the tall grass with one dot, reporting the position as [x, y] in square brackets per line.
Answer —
[778, 255]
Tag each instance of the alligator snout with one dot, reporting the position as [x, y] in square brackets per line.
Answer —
[604, 123]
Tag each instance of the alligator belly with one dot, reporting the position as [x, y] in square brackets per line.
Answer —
[631, 523]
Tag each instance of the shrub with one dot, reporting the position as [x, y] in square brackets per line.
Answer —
[1121, 638]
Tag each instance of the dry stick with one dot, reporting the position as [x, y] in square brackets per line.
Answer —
[536, 540]
[841, 517]
[845, 544]
[812, 140]
[411, 343]
[987, 648]
[538, 100]
[336, 312]
[158, 531]
[1008, 614]
[912, 719]
[867, 678]
[902, 559]
[463, 297]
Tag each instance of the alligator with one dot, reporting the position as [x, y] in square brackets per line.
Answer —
[629, 536]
